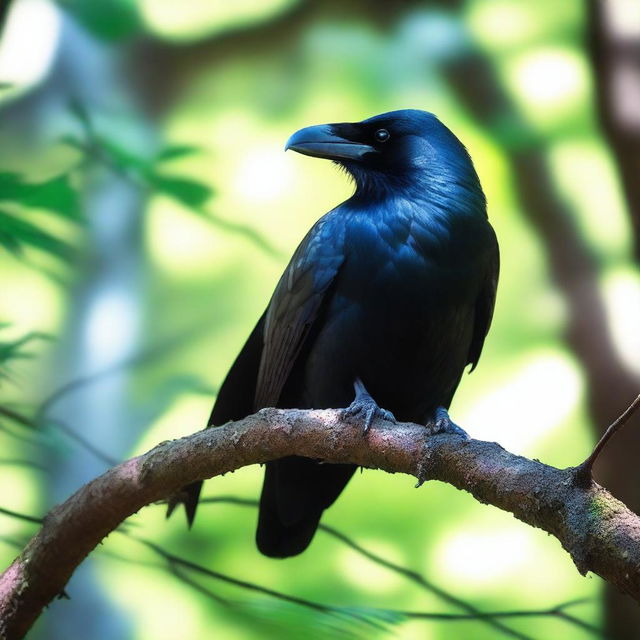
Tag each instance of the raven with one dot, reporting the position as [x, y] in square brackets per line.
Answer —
[390, 294]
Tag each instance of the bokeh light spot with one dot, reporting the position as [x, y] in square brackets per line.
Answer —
[264, 173]
[622, 298]
[111, 327]
[481, 557]
[28, 43]
[204, 17]
[548, 82]
[367, 575]
[542, 393]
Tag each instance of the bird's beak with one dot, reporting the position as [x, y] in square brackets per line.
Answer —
[322, 141]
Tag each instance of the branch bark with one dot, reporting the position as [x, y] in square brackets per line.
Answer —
[599, 532]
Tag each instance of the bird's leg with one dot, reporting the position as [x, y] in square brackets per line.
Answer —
[365, 408]
[442, 423]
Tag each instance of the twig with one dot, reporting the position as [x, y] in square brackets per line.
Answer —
[411, 575]
[583, 471]
[175, 562]
[20, 516]
[303, 602]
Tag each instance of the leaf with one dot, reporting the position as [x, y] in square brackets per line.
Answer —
[108, 20]
[177, 151]
[9, 242]
[55, 194]
[12, 349]
[79, 111]
[188, 192]
[122, 158]
[15, 232]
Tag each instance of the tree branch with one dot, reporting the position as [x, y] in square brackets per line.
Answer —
[599, 532]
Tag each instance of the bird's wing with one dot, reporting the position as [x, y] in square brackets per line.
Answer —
[295, 305]
[485, 301]
[235, 398]
[233, 402]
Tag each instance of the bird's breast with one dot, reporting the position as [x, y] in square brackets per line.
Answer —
[400, 317]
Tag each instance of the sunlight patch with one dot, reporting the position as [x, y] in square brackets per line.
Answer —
[524, 409]
[111, 327]
[622, 298]
[504, 23]
[200, 18]
[263, 174]
[549, 82]
[367, 575]
[28, 43]
[481, 557]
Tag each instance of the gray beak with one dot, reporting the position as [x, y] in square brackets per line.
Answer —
[321, 142]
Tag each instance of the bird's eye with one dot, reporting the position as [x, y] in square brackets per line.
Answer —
[382, 135]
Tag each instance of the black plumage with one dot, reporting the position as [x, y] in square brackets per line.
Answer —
[394, 288]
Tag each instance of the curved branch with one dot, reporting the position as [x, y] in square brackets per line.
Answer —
[599, 532]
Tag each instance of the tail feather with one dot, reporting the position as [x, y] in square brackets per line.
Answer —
[188, 496]
[295, 493]
[235, 400]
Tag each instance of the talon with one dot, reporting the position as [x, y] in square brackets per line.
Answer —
[368, 420]
[442, 423]
[365, 408]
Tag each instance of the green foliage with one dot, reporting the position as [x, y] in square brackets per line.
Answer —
[14, 349]
[109, 20]
[173, 152]
[16, 233]
[56, 196]
[145, 170]
[190, 193]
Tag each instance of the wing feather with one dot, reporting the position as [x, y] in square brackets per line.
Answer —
[295, 305]
[485, 302]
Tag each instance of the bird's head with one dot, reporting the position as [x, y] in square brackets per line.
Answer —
[396, 150]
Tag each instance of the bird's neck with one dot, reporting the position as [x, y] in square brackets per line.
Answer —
[443, 193]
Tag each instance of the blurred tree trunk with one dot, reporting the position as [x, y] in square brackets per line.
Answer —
[614, 46]
[103, 307]
[574, 269]
[613, 43]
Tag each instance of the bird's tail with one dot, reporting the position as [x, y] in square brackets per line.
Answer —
[188, 496]
[295, 493]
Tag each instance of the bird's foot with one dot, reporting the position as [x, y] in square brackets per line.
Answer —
[364, 408]
[442, 423]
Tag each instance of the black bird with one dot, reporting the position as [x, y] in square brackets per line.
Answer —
[391, 294]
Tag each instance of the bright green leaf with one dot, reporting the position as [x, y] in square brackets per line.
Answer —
[177, 151]
[55, 194]
[20, 232]
[188, 192]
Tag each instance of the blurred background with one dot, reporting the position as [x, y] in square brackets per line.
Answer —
[146, 212]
